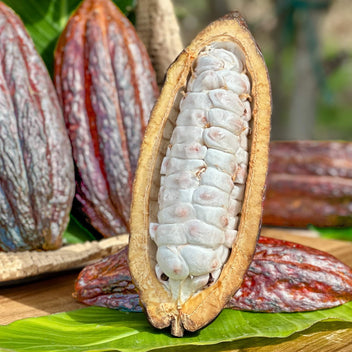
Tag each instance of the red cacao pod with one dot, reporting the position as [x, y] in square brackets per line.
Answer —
[107, 88]
[309, 183]
[282, 277]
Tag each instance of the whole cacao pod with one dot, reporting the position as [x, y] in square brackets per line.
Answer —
[107, 87]
[36, 167]
[309, 183]
[282, 277]
[197, 196]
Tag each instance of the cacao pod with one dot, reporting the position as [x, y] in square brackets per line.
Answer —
[282, 277]
[108, 283]
[290, 277]
[157, 26]
[197, 196]
[36, 167]
[107, 87]
[309, 183]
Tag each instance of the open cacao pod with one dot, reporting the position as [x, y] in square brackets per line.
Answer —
[199, 186]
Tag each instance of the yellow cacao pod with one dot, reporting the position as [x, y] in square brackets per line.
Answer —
[199, 186]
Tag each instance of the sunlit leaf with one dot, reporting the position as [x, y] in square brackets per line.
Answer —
[103, 329]
[343, 234]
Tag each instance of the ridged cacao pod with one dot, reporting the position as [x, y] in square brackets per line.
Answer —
[197, 196]
[309, 183]
[282, 277]
[36, 167]
[290, 277]
[107, 87]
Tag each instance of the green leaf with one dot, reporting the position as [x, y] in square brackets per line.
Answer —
[103, 329]
[45, 20]
[343, 234]
[76, 233]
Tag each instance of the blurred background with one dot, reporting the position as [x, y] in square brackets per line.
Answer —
[307, 45]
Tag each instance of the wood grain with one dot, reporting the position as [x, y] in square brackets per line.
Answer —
[23, 265]
[44, 296]
[53, 294]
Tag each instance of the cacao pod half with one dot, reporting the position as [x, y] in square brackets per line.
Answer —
[197, 196]
[36, 167]
[107, 88]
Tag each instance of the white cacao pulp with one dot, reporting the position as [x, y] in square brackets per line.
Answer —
[203, 173]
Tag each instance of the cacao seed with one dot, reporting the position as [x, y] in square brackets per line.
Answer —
[201, 172]
[36, 168]
[282, 277]
[107, 88]
[309, 183]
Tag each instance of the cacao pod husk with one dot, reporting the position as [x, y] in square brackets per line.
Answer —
[309, 183]
[157, 26]
[107, 87]
[289, 277]
[108, 283]
[283, 277]
[201, 308]
[36, 167]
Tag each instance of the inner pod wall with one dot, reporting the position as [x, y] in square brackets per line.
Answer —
[206, 136]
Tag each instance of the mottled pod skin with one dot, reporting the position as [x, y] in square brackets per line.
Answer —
[202, 307]
[282, 277]
[107, 87]
[36, 167]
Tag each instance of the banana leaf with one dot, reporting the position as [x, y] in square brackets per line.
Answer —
[102, 329]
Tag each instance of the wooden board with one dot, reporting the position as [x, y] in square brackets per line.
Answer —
[54, 294]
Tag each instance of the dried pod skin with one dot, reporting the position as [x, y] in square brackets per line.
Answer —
[108, 283]
[107, 88]
[216, 95]
[282, 277]
[36, 168]
[289, 277]
[309, 183]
